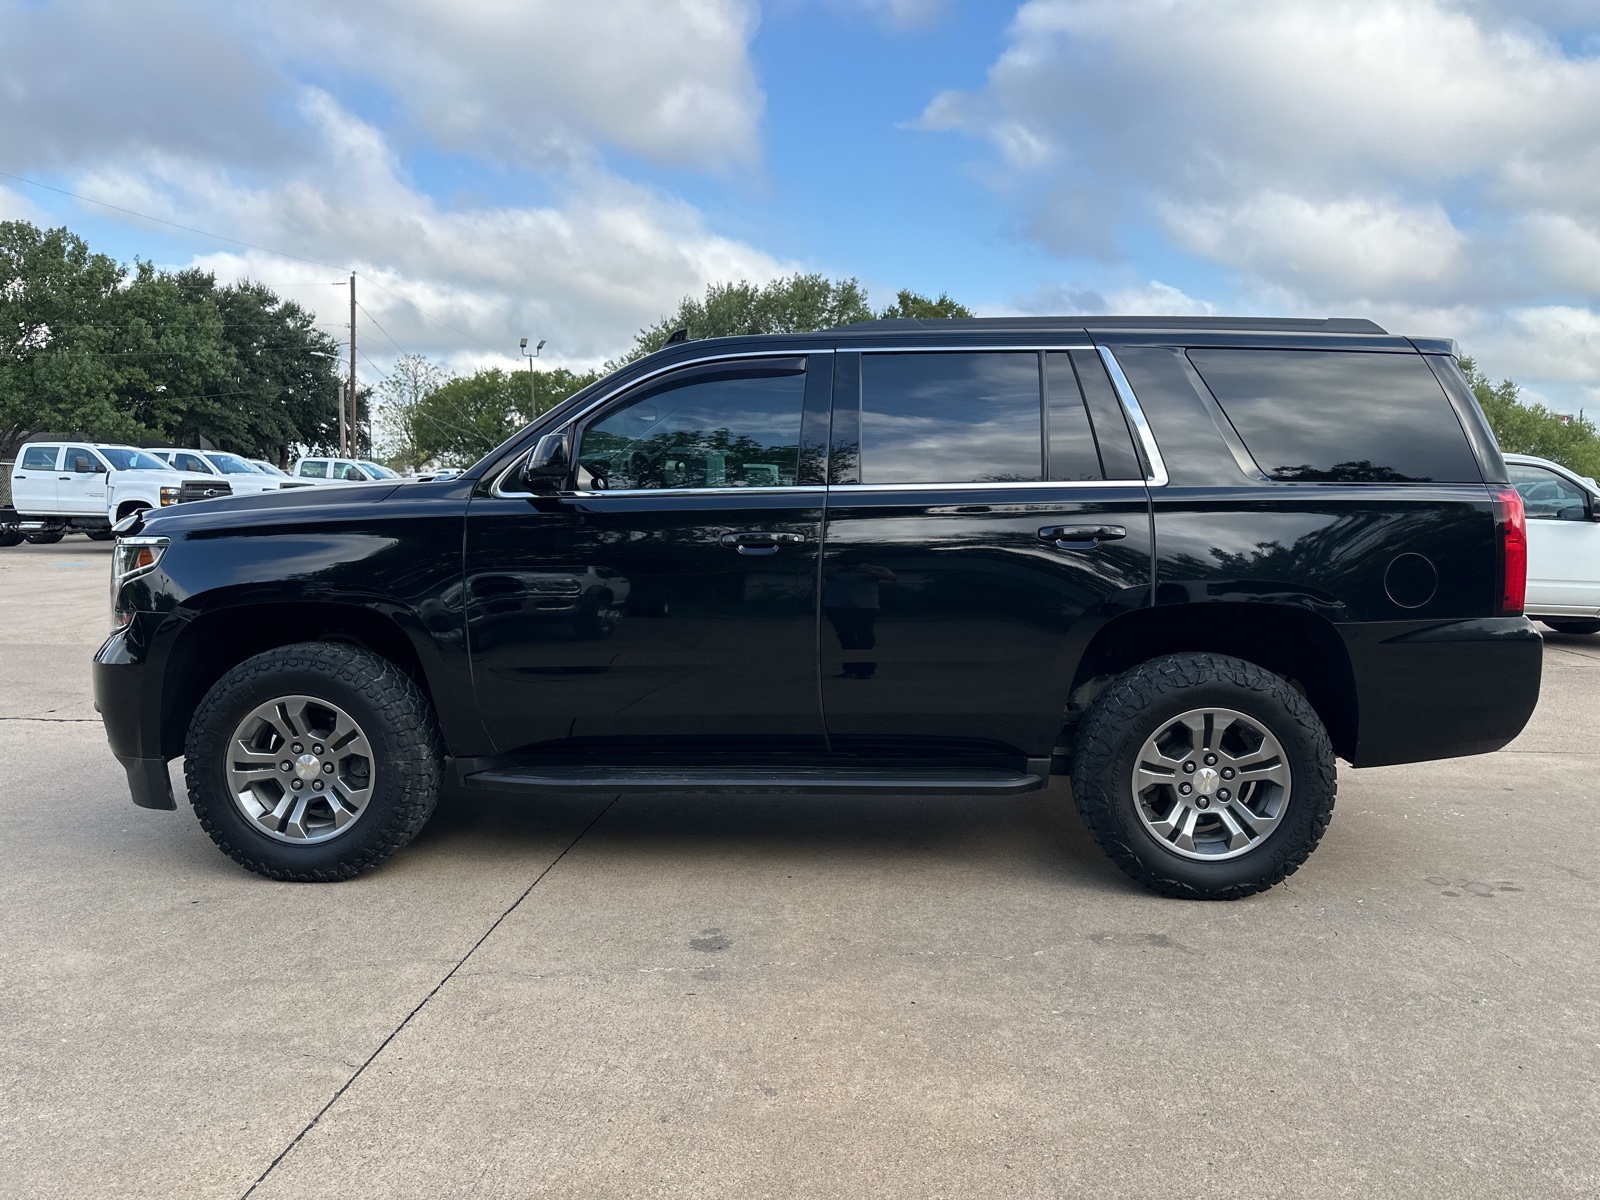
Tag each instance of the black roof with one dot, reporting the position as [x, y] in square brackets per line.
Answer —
[1040, 324]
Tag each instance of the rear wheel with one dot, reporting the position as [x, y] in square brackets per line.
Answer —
[45, 539]
[1571, 625]
[1203, 776]
[313, 762]
[10, 537]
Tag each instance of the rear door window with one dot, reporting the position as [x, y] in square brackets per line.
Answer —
[951, 417]
[40, 458]
[1088, 429]
[1334, 416]
[313, 469]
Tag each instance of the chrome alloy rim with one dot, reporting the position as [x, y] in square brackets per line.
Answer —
[300, 769]
[1211, 784]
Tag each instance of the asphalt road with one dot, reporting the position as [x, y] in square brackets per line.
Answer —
[788, 997]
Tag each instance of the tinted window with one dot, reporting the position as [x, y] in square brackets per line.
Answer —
[39, 458]
[1546, 495]
[730, 427]
[313, 470]
[69, 461]
[1339, 417]
[951, 418]
[124, 459]
[1068, 431]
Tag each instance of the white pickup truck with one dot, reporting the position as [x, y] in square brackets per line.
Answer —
[244, 479]
[85, 487]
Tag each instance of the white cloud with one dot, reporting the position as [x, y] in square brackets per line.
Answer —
[536, 81]
[1359, 245]
[1431, 163]
[586, 271]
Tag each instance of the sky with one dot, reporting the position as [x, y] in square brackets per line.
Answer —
[493, 169]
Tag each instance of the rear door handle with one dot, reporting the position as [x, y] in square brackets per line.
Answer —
[760, 543]
[1081, 537]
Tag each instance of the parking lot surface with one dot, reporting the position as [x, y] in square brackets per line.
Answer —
[788, 996]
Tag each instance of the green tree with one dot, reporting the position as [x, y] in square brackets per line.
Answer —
[912, 304]
[400, 400]
[798, 304]
[1532, 428]
[464, 418]
[58, 369]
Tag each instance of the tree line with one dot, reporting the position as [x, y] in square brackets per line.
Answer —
[91, 347]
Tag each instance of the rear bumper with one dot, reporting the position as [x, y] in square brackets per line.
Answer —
[130, 706]
[1443, 691]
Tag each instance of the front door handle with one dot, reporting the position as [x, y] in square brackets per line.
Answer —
[1081, 537]
[760, 543]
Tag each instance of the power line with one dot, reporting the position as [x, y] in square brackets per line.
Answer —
[173, 224]
[380, 328]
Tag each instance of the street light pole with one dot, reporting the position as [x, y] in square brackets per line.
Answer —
[533, 387]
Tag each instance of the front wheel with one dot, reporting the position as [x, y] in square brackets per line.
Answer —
[101, 535]
[1571, 625]
[313, 762]
[1203, 776]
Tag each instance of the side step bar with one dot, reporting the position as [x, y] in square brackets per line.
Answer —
[581, 780]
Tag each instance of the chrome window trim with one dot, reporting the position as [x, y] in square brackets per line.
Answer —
[791, 489]
[1029, 348]
[497, 488]
[1130, 404]
[1022, 485]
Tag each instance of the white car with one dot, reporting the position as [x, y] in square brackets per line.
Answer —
[64, 487]
[244, 479]
[341, 470]
[1563, 514]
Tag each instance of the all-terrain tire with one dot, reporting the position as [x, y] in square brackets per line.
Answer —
[398, 723]
[1571, 625]
[1134, 706]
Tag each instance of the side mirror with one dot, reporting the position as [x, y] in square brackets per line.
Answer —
[356, 475]
[546, 470]
[83, 465]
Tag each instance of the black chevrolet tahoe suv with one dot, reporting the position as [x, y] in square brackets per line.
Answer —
[1186, 562]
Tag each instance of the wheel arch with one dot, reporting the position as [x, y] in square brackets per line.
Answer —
[212, 643]
[1302, 646]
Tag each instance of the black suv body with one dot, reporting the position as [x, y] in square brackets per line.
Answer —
[1186, 561]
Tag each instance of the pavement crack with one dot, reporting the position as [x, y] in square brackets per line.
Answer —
[448, 975]
[58, 720]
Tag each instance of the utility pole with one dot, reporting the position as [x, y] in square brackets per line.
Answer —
[533, 383]
[343, 437]
[355, 423]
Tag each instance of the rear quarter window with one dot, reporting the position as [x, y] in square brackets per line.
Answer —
[1330, 416]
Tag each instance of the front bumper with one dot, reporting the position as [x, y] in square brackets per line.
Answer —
[129, 701]
[1443, 691]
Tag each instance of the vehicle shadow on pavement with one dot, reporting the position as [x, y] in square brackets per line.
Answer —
[1037, 834]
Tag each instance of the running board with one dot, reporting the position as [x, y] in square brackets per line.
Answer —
[554, 780]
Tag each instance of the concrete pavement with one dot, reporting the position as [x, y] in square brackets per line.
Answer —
[787, 996]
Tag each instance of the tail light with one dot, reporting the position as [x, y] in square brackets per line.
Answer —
[1513, 530]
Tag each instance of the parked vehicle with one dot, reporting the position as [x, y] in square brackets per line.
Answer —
[243, 479]
[1185, 561]
[1563, 510]
[342, 470]
[63, 487]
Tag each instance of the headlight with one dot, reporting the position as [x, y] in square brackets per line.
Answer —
[169, 495]
[133, 557]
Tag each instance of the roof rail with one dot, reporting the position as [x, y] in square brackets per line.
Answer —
[1280, 324]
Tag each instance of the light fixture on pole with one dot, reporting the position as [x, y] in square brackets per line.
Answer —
[533, 387]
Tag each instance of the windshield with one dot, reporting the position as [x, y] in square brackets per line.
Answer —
[377, 472]
[231, 464]
[125, 458]
[269, 468]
